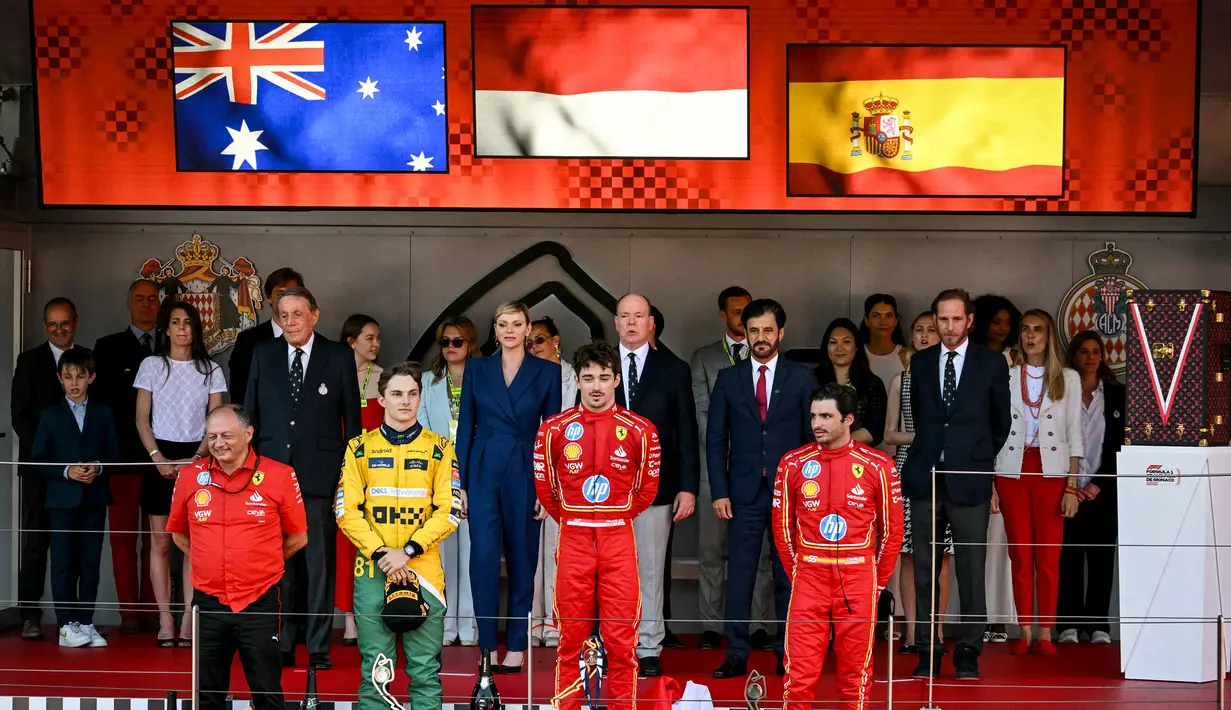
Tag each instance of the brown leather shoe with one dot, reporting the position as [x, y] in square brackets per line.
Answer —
[31, 631]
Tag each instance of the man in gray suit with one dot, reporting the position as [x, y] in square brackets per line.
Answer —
[712, 550]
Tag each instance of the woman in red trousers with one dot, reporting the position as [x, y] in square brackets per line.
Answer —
[1045, 438]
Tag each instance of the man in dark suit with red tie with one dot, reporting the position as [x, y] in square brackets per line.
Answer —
[759, 411]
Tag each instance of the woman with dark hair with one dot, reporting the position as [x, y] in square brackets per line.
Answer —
[1088, 558]
[880, 333]
[362, 333]
[458, 342]
[845, 362]
[176, 389]
[997, 322]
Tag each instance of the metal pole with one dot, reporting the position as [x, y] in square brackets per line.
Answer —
[196, 655]
[932, 603]
[889, 692]
[529, 667]
[1222, 662]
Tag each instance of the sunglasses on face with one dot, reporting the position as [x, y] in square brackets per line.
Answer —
[539, 339]
[452, 342]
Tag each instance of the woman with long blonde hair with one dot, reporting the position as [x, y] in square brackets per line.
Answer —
[1036, 473]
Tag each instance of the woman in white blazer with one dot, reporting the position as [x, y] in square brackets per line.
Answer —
[545, 344]
[1045, 438]
[438, 409]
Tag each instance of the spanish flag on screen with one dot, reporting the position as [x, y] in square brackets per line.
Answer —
[936, 121]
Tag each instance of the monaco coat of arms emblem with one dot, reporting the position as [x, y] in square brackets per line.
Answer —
[1099, 302]
[226, 293]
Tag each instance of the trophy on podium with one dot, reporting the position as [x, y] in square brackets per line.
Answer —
[382, 676]
[309, 692]
[485, 695]
[754, 690]
[592, 663]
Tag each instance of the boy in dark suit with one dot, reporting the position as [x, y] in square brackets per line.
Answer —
[75, 429]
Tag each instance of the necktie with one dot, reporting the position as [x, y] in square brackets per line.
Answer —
[950, 392]
[296, 376]
[632, 377]
[762, 395]
[147, 342]
[735, 351]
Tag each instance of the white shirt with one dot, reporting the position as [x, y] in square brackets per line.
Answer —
[885, 366]
[277, 328]
[743, 347]
[772, 365]
[307, 353]
[56, 352]
[1034, 389]
[180, 397]
[957, 364]
[641, 354]
[1095, 427]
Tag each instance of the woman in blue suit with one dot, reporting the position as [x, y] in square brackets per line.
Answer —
[505, 399]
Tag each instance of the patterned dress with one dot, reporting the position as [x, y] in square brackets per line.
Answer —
[908, 425]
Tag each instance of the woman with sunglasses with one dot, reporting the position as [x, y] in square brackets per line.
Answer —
[545, 344]
[438, 411]
[176, 390]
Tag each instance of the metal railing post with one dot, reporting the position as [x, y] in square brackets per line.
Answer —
[932, 603]
[889, 692]
[1222, 662]
[196, 653]
[529, 666]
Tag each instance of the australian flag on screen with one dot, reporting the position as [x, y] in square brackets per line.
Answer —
[310, 97]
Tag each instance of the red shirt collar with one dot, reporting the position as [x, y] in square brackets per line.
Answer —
[829, 454]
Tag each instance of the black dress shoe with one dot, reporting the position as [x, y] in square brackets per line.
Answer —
[760, 641]
[288, 659]
[733, 667]
[31, 631]
[320, 661]
[353, 641]
[928, 668]
[966, 664]
[670, 640]
[711, 639]
[649, 667]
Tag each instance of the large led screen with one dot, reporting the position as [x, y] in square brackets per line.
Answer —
[776, 105]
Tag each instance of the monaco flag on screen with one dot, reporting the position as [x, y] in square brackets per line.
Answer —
[591, 82]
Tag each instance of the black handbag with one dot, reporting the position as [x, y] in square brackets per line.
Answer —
[886, 606]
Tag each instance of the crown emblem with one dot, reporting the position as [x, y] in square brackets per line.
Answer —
[1110, 260]
[196, 254]
[880, 105]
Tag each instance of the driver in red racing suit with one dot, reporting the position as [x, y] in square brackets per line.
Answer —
[837, 522]
[595, 469]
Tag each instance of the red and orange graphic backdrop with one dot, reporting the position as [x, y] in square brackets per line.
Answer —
[106, 125]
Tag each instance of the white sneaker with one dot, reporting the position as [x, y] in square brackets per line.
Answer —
[1068, 636]
[96, 639]
[72, 636]
[1100, 637]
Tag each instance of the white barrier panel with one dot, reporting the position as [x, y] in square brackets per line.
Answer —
[1170, 569]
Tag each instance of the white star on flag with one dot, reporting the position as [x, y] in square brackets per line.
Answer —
[368, 89]
[419, 163]
[412, 38]
[440, 108]
[244, 145]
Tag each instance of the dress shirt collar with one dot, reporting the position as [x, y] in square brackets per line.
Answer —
[306, 347]
[640, 352]
[138, 333]
[56, 352]
[772, 366]
[73, 405]
[729, 343]
[277, 328]
[960, 350]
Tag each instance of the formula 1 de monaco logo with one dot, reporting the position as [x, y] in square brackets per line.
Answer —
[226, 293]
[1159, 475]
[1099, 302]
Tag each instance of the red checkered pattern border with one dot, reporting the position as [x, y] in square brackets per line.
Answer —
[633, 184]
[122, 122]
[1156, 182]
[1005, 12]
[1138, 28]
[149, 61]
[58, 47]
[461, 153]
[1069, 202]
[419, 9]
[194, 11]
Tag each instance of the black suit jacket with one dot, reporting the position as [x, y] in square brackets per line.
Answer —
[36, 386]
[1114, 414]
[970, 434]
[116, 360]
[741, 451]
[59, 440]
[240, 362]
[664, 396]
[312, 436]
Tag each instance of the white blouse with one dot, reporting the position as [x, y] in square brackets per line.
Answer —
[180, 396]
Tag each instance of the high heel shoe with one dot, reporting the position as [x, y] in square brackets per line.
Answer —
[1020, 647]
[1045, 648]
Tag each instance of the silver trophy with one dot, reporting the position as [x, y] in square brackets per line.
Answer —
[754, 690]
[382, 676]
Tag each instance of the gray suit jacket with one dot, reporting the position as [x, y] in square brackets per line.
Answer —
[707, 361]
[434, 405]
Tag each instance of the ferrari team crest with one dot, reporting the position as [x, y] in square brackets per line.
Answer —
[1099, 302]
[226, 293]
[883, 132]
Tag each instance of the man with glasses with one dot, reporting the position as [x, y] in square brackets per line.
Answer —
[36, 386]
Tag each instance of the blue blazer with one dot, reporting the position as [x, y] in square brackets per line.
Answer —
[434, 412]
[497, 425]
[59, 440]
[738, 447]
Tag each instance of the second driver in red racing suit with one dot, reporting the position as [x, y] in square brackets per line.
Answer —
[837, 522]
[595, 469]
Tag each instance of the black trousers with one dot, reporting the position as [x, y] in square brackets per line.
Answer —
[310, 616]
[1087, 566]
[35, 541]
[76, 557]
[969, 524]
[254, 633]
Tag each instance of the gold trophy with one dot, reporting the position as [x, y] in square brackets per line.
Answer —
[592, 660]
[754, 690]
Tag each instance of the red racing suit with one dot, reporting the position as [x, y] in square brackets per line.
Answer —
[837, 521]
[594, 473]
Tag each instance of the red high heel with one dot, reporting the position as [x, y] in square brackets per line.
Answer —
[1045, 648]
[1020, 647]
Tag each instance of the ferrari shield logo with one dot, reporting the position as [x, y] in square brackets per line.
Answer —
[621, 433]
[857, 470]
[227, 294]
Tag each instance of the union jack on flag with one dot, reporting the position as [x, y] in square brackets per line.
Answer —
[310, 96]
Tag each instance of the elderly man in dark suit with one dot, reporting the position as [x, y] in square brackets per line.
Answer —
[960, 396]
[658, 386]
[245, 343]
[303, 401]
[36, 386]
[759, 411]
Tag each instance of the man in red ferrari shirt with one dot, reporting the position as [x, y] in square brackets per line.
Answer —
[238, 517]
[837, 521]
[595, 470]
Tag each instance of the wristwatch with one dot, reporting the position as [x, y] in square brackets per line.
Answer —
[412, 549]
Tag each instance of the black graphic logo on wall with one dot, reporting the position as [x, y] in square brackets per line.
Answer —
[596, 323]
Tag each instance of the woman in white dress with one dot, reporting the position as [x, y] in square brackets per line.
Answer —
[545, 344]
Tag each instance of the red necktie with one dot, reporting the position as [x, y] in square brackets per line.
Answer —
[762, 397]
